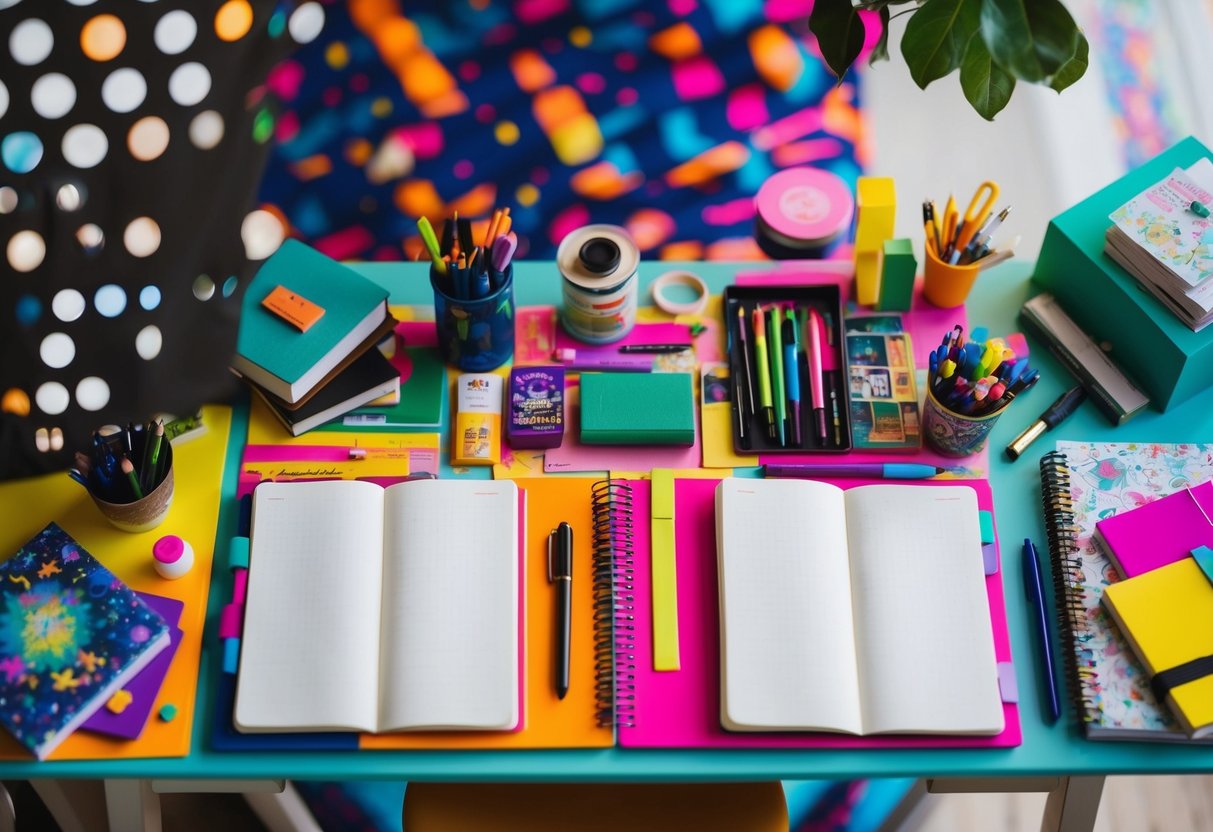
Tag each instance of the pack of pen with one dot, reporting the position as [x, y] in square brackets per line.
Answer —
[786, 359]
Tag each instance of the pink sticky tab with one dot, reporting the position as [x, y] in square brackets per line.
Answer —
[239, 585]
[231, 621]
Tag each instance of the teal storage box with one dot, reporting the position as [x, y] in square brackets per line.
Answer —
[637, 409]
[1165, 358]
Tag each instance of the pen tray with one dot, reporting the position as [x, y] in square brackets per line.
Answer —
[827, 300]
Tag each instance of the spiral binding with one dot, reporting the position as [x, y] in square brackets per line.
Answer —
[614, 604]
[1067, 576]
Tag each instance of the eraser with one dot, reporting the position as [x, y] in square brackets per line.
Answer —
[172, 557]
[293, 308]
[476, 439]
[536, 407]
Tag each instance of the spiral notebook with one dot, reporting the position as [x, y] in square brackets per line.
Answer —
[681, 708]
[1081, 483]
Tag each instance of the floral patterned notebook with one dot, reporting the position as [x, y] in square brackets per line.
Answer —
[1082, 483]
[71, 635]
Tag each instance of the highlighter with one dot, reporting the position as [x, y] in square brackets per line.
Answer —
[763, 372]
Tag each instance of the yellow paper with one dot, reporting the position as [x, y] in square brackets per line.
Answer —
[665, 573]
[1167, 615]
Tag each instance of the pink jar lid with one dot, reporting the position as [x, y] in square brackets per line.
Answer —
[805, 205]
[168, 549]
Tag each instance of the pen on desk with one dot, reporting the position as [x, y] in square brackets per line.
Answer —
[560, 573]
[870, 470]
[1066, 404]
[816, 383]
[744, 341]
[779, 390]
[791, 366]
[762, 368]
[1033, 582]
[656, 349]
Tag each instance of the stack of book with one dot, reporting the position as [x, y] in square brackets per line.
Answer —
[308, 331]
[1164, 238]
[1164, 605]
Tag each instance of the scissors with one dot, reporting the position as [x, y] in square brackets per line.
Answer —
[975, 215]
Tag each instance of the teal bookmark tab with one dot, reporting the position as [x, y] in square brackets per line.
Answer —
[1203, 556]
[986, 519]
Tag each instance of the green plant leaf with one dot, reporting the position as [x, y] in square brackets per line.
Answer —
[986, 85]
[1072, 69]
[936, 37]
[839, 31]
[880, 52]
[1031, 39]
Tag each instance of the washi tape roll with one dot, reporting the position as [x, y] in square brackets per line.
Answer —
[598, 269]
[800, 213]
[668, 301]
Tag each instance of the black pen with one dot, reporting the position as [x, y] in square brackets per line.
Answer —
[560, 572]
[1066, 404]
[1033, 582]
[659, 349]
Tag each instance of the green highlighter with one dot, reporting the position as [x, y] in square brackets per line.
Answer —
[637, 409]
[778, 390]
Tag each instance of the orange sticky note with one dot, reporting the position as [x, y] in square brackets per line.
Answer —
[296, 310]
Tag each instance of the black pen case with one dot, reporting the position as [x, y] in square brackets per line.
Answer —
[750, 431]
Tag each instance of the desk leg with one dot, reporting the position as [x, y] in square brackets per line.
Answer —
[285, 812]
[132, 805]
[1072, 805]
[76, 805]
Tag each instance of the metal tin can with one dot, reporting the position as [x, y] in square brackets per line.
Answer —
[598, 269]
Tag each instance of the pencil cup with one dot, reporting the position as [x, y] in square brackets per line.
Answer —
[149, 511]
[475, 335]
[955, 434]
[945, 285]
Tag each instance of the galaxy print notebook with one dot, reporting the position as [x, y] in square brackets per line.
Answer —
[71, 635]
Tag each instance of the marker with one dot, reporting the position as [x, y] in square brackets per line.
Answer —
[816, 383]
[1066, 404]
[870, 470]
[779, 391]
[431, 244]
[763, 368]
[791, 363]
[743, 339]
[657, 349]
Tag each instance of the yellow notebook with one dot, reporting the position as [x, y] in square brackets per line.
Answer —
[1167, 616]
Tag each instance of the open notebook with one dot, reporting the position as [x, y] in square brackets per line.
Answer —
[369, 610]
[860, 611]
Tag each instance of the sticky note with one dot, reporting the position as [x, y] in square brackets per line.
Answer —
[665, 573]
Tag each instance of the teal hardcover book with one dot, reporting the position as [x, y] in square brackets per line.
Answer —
[71, 635]
[279, 356]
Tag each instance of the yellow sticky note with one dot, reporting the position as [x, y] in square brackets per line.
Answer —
[665, 574]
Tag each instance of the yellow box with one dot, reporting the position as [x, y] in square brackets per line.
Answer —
[476, 439]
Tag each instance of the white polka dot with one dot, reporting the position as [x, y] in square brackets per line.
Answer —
[148, 342]
[92, 393]
[91, 238]
[68, 305]
[149, 297]
[30, 42]
[53, 95]
[204, 287]
[206, 130]
[69, 197]
[26, 249]
[84, 145]
[142, 237]
[56, 439]
[57, 350]
[175, 32]
[42, 440]
[110, 300]
[52, 398]
[189, 84]
[3, 99]
[262, 234]
[8, 200]
[8, 4]
[306, 22]
[82, 2]
[148, 138]
[123, 90]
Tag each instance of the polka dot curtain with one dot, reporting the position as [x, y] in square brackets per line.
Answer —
[132, 139]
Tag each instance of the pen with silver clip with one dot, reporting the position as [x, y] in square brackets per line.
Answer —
[560, 573]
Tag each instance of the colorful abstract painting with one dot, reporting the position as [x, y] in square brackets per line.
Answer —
[662, 117]
[69, 630]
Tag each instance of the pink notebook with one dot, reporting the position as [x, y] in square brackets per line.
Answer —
[1158, 533]
[681, 709]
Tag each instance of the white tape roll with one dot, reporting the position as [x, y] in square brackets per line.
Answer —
[662, 283]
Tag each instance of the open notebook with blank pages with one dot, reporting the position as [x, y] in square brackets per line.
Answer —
[681, 708]
[1082, 482]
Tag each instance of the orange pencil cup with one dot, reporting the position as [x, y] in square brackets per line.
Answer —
[945, 285]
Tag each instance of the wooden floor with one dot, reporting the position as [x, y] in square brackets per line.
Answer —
[1130, 804]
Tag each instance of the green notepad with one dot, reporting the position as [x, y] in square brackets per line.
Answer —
[637, 409]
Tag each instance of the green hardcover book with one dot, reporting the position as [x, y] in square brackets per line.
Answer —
[279, 356]
[637, 409]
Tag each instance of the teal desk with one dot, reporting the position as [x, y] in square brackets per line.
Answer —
[1047, 751]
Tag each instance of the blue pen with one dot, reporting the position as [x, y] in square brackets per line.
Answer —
[791, 372]
[1033, 583]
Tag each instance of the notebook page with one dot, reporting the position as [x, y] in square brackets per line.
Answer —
[450, 622]
[309, 656]
[787, 654]
[922, 615]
